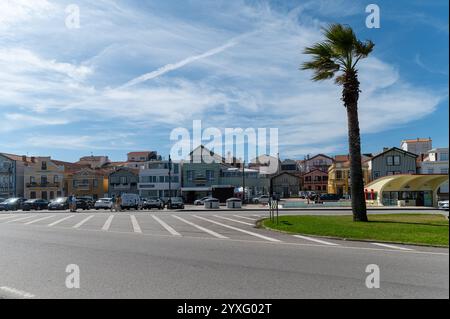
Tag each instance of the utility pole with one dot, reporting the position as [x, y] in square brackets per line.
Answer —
[243, 182]
[170, 181]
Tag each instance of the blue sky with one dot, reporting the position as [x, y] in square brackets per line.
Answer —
[135, 70]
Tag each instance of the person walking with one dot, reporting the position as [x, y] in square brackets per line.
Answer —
[113, 200]
[119, 203]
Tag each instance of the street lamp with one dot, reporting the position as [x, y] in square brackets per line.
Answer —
[170, 182]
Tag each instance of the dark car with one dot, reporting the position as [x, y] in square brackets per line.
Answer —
[35, 204]
[330, 197]
[14, 203]
[175, 203]
[89, 201]
[152, 203]
[84, 204]
[61, 203]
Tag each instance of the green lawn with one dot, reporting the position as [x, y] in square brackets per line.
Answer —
[423, 229]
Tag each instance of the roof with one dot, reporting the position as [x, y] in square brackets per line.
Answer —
[417, 140]
[141, 153]
[323, 155]
[396, 149]
[70, 166]
[285, 173]
[314, 170]
[411, 182]
[342, 158]
[15, 157]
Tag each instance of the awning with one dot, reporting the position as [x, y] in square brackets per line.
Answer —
[407, 182]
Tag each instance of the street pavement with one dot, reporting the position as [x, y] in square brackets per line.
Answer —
[201, 254]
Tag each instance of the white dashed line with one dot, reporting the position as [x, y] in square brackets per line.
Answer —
[19, 219]
[83, 221]
[16, 292]
[391, 246]
[248, 218]
[134, 222]
[234, 220]
[316, 240]
[166, 226]
[59, 221]
[206, 230]
[38, 220]
[239, 229]
[108, 223]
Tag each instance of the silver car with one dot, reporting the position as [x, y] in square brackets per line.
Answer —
[103, 203]
[443, 204]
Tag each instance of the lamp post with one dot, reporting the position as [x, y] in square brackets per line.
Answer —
[243, 182]
[170, 182]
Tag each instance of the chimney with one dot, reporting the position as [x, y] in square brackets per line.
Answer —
[24, 158]
[33, 159]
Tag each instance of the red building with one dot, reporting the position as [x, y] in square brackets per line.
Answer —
[316, 180]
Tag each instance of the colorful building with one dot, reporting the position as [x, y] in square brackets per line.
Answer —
[88, 182]
[43, 178]
[339, 174]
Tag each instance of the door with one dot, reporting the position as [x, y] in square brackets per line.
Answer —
[286, 192]
[420, 200]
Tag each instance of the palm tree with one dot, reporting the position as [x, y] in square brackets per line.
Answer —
[337, 57]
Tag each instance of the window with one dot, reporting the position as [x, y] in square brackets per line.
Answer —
[376, 174]
[55, 179]
[32, 180]
[32, 195]
[338, 174]
[123, 180]
[443, 156]
[95, 183]
[52, 195]
[209, 175]
[430, 170]
[175, 168]
[44, 195]
[389, 160]
[161, 179]
[397, 160]
[444, 170]
[44, 180]
[44, 166]
[390, 173]
[190, 175]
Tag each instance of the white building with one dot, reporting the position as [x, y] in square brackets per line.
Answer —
[436, 162]
[418, 146]
[154, 179]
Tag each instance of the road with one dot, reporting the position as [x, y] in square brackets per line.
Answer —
[175, 254]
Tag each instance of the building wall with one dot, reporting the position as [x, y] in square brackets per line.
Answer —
[7, 177]
[380, 167]
[436, 163]
[154, 179]
[417, 147]
[201, 174]
[123, 181]
[255, 183]
[339, 178]
[87, 183]
[316, 181]
[35, 175]
[285, 185]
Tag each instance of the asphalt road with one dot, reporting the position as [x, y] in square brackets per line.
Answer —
[163, 254]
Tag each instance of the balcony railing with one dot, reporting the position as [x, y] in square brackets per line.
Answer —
[43, 184]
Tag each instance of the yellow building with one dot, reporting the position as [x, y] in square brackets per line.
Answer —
[87, 182]
[43, 178]
[339, 175]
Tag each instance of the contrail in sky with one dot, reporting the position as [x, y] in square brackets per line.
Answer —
[173, 66]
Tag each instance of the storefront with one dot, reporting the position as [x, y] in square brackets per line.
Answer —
[405, 190]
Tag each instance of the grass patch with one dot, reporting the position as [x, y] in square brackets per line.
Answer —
[423, 229]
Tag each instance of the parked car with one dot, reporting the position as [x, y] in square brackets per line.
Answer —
[2, 199]
[89, 202]
[330, 197]
[152, 203]
[130, 201]
[263, 199]
[84, 204]
[35, 204]
[103, 203]
[201, 201]
[60, 203]
[443, 204]
[14, 203]
[175, 203]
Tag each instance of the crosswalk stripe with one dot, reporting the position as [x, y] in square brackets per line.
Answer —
[59, 221]
[317, 240]
[248, 218]
[83, 221]
[108, 223]
[166, 226]
[38, 220]
[9, 216]
[19, 219]
[234, 220]
[239, 229]
[206, 230]
[391, 246]
[134, 222]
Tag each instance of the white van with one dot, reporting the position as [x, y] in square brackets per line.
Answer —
[131, 201]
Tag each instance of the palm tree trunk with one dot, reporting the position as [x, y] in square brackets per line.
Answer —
[350, 97]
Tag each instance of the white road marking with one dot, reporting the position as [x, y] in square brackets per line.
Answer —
[316, 240]
[259, 216]
[16, 292]
[234, 220]
[134, 222]
[391, 246]
[9, 216]
[239, 229]
[59, 221]
[83, 221]
[38, 220]
[108, 223]
[167, 227]
[19, 219]
[206, 230]
[248, 218]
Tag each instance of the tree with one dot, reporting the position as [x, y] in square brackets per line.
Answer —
[336, 57]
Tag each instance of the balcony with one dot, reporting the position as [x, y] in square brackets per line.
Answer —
[42, 185]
